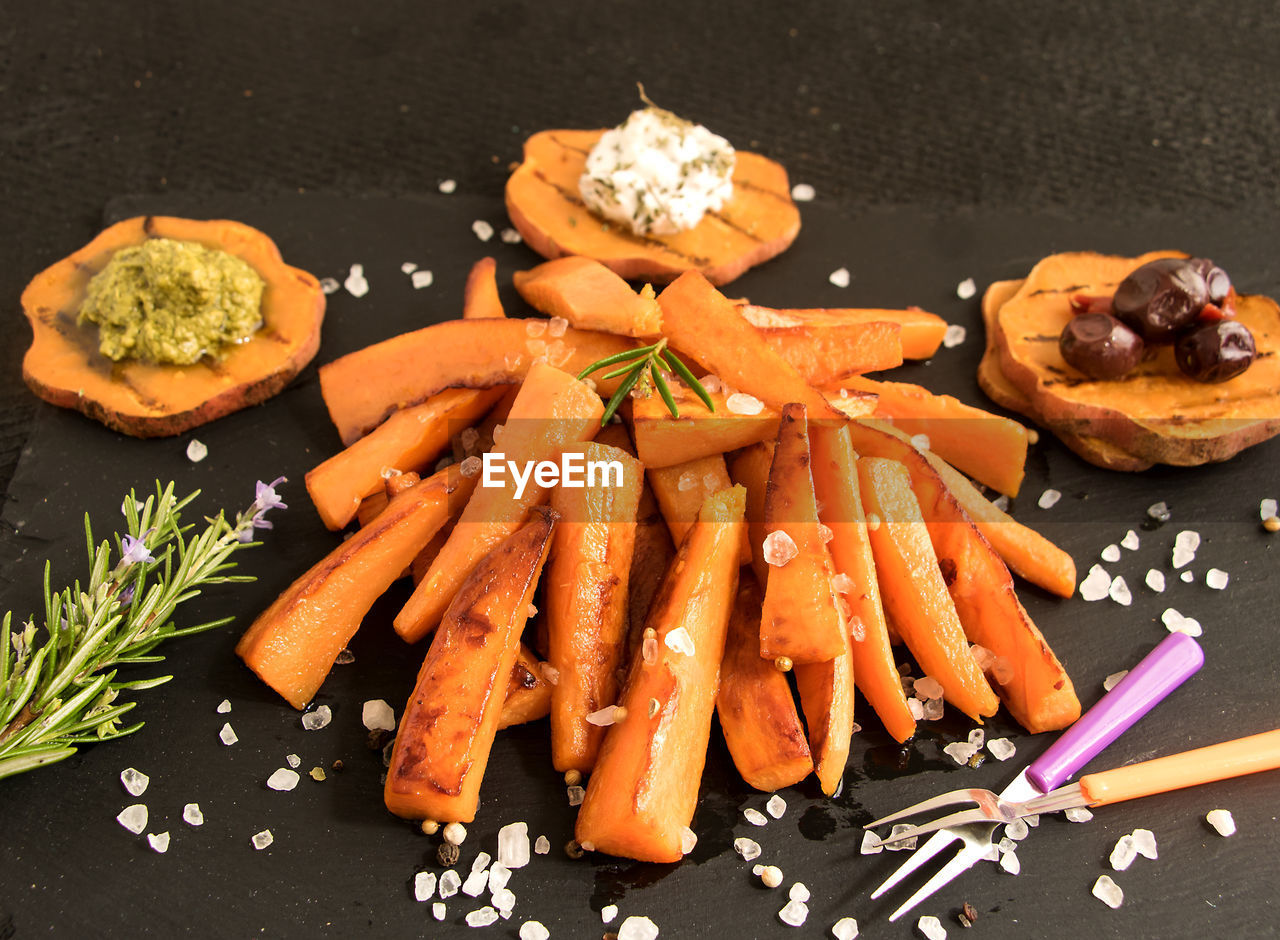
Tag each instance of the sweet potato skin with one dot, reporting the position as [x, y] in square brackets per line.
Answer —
[528, 691]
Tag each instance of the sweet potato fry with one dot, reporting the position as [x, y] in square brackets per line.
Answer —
[552, 410]
[835, 481]
[830, 355]
[480, 300]
[645, 786]
[528, 691]
[682, 489]
[750, 470]
[590, 296]
[362, 388]
[921, 333]
[409, 440]
[913, 588]
[445, 736]
[826, 695]
[586, 604]
[801, 619]
[664, 441]
[756, 709]
[293, 643]
[653, 554]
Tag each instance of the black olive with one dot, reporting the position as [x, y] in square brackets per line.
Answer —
[1100, 346]
[1160, 298]
[1216, 281]
[1215, 351]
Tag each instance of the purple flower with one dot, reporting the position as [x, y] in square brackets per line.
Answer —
[265, 497]
[134, 551]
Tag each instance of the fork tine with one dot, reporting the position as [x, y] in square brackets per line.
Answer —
[924, 806]
[965, 859]
[962, 818]
[921, 855]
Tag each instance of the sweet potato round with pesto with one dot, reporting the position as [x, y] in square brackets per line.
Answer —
[65, 367]
[758, 221]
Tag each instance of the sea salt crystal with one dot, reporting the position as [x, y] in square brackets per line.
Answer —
[513, 845]
[916, 707]
[1111, 681]
[293, 760]
[196, 451]
[803, 192]
[1155, 580]
[262, 839]
[846, 928]
[748, 848]
[1007, 845]
[1222, 821]
[857, 629]
[475, 884]
[378, 716]
[159, 841]
[1184, 548]
[409, 267]
[356, 284]
[679, 641]
[315, 720]
[1120, 592]
[755, 817]
[541, 845]
[134, 818]
[931, 927]
[1048, 498]
[775, 806]
[329, 285]
[191, 815]
[1001, 503]
[740, 403]
[927, 687]
[794, 913]
[1130, 541]
[779, 548]
[954, 335]
[1144, 841]
[1017, 830]
[1077, 814]
[482, 229]
[450, 882]
[920, 441]
[840, 277]
[448, 186]
[284, 778]
[421, 279]
[932, 709]
[960, 751]
[688, 840]
[638, 928]
[438, 910]
[966, 289]
[1001, 748]
[1216, 578]
[1187, 576]
[424, 885]
[482, 917]
[1032, 819]
[503, 899]
[603, 718]
[576, 795]
[1009, 862]
[1108, 892]
[1124, 853]
[1096, 585]
[608, 913]
[1267, 509]
[470, 466]
[510, 236]
[799, 892]
[871, 844]
[1176, 623]
[977, 737]
[481, 861]
[224, 707]
[499, 876]
[1159, 511]
[135, 781]
[901, 845]
[533, 930]
[227, 735]
[1111, 553]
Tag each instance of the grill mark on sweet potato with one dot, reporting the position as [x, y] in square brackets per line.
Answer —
[734, 226]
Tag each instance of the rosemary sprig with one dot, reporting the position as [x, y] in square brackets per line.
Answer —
[64, 692]
[655, 360]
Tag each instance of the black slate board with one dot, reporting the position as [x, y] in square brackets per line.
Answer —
[340, 864]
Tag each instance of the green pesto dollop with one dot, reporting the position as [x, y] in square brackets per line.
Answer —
[170, 301]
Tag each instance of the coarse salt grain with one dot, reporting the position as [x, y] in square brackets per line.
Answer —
[329, 285]
[920, 441]
[977, 737]
[196, 451]
[475, 884]
[1120, 593]
[533, 930]
[679, 641]
[638, 928]
[317, 719]
[500, 875]
[262, 840]
[1006, 845]
[1111, 553]
[608, 913]
[688, 840]
[409, 267]
[503, 899]
[857, 629]
[1187, 576]
[224, 707]
[1017, 830]
[293, 760]
[470, 466]
[775, 806]
[960, 751]
[421, 279]
[1048, 498]
[1144, 842]
[576, 794]
[794, 913]
[803, 192]
[482, 229]
[927, 687]
[541, 845]
[1176, 623]
[482, 917]
[840, 277]
[1267, 509]
[284, 778]
[1001, 748]
[227, 735]
[513, 845]
[1108, 892]
[191, 815]
[424, 885]
[356, 283]
[842, 583]
[450, 882]
[448, 186]
[1130, 541]
[966, 289]
[871, 844]
[779, 548]
[846, 928]
[438, 910]
[748, 848]
[931, 927]
[1111, 681]
[159, 841]
[932, 709]
[1124, 853]
[603, 718]
[916, 707]
[1001, 503]
[1184, 548]
[740, 403]
[901, 845]
[1077, 814]
[799, 892]
[1159, 511]
[1155, 580]
[1222, 821]
[954, 335]
[1096, 585]
[510, 236]
[481, 861]
[378, 716]
[455, 833]
[755, 817]
[1009, 862]
[1216, 578]
[134, 818]
[134, 781]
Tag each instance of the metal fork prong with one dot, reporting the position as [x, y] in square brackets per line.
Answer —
[921, 855]
[962, 818]
[924, 806]
[964, 860]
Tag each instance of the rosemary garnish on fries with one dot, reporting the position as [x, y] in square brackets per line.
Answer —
[655, 360]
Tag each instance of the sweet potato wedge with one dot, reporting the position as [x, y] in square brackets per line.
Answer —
[362, 388]
[444, 739]
[830, 355]
[826, 695]
[590, 296]
[645, 785]
[681, 490]
[758, 221]
[552, 410]
[528, 691]
[749, 469]
[920, 333]
[801, 619]
[914, 591]
[293, 643]
[664, 441]
[410, 439]
[756, 709]
[835, 482]
[585, 600]
[480, 300]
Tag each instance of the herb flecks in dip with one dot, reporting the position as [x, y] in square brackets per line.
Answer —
[171, 302]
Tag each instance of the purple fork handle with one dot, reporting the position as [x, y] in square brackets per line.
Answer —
[1162, 670]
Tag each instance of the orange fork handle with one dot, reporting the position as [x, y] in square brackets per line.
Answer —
[1203, 765]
